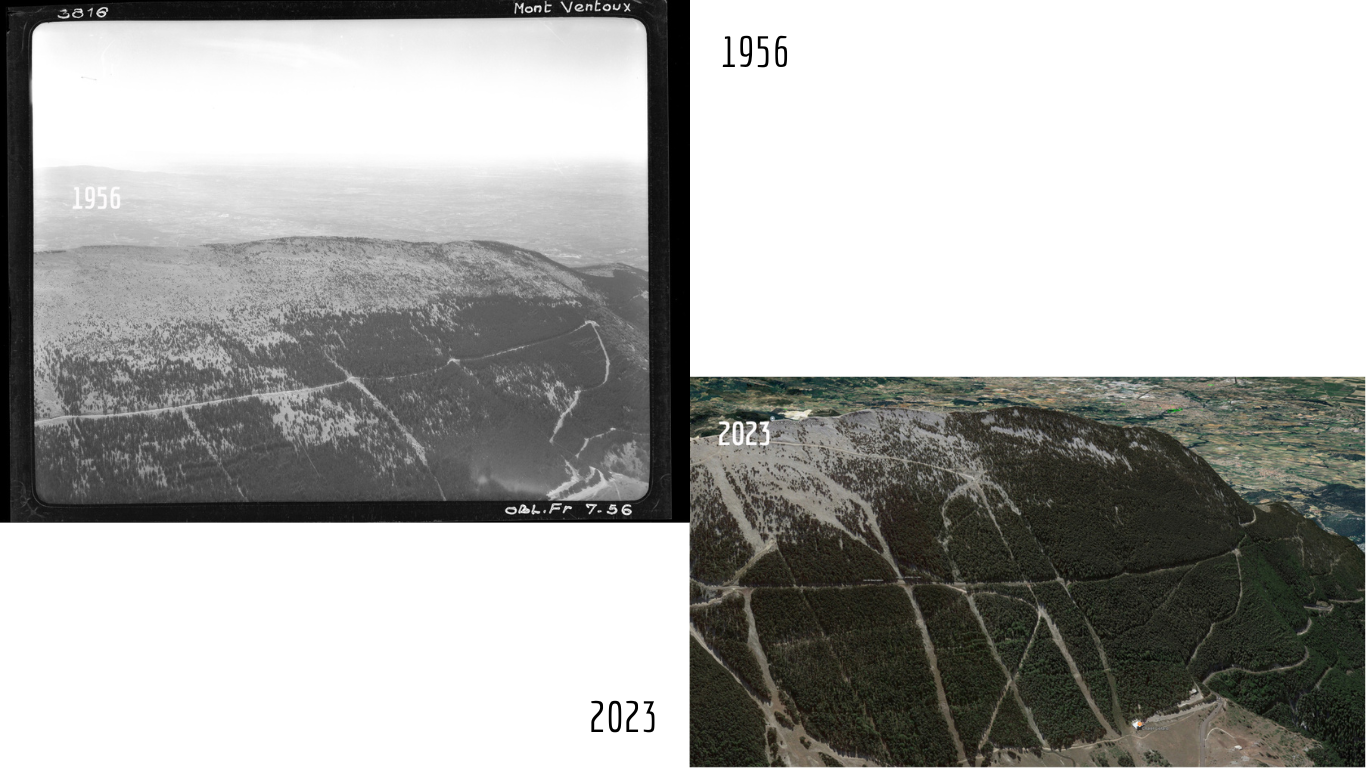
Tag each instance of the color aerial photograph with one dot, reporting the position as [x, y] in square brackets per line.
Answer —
[341, 260]
[1026, 571]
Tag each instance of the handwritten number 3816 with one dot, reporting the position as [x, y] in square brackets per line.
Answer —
[82, 13]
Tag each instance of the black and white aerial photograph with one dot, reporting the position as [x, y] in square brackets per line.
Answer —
[335, 260]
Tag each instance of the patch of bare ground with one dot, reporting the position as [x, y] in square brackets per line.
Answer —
[1233, 737]
[1239, 737]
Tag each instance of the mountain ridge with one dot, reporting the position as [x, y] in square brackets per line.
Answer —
[1151, 575]
[494, 369]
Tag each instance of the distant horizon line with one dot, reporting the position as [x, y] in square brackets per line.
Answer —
[484, 242]
[490, 164]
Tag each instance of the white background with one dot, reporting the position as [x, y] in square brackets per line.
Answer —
[1029, 188]
[340, 645]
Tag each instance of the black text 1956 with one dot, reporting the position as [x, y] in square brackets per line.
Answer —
[749, 44]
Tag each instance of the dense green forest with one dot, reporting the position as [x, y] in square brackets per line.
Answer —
[1076, 635]
[854, 664]
[725, 627]
[1011, 623]
[726, 726]
[874, 637]
[1048, 689]
[972, 680]
[1183, 517]
[976, 546]
[1010, 729]
[770, 570]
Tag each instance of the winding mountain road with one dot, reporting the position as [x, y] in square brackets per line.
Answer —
[1281, 668]
[575, 399]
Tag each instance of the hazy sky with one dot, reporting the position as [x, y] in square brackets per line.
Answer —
[143, 95]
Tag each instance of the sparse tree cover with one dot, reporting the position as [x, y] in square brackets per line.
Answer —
[1024, 548]
[726, 629]
[180, 363]
[231, 451]
[907, 512]
[1153, 757]
[1160, 559]
[96, 461]
[1324, 754]
[717, 548]
[397, 342]
[727, 727]
[1103, 754]
[815, 552]
[271, 461]
[972, 679]
[699, 593]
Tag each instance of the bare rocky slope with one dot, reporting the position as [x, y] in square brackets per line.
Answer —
[903, 587]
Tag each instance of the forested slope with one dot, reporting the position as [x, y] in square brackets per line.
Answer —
[1040, 581]
[335, 368]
